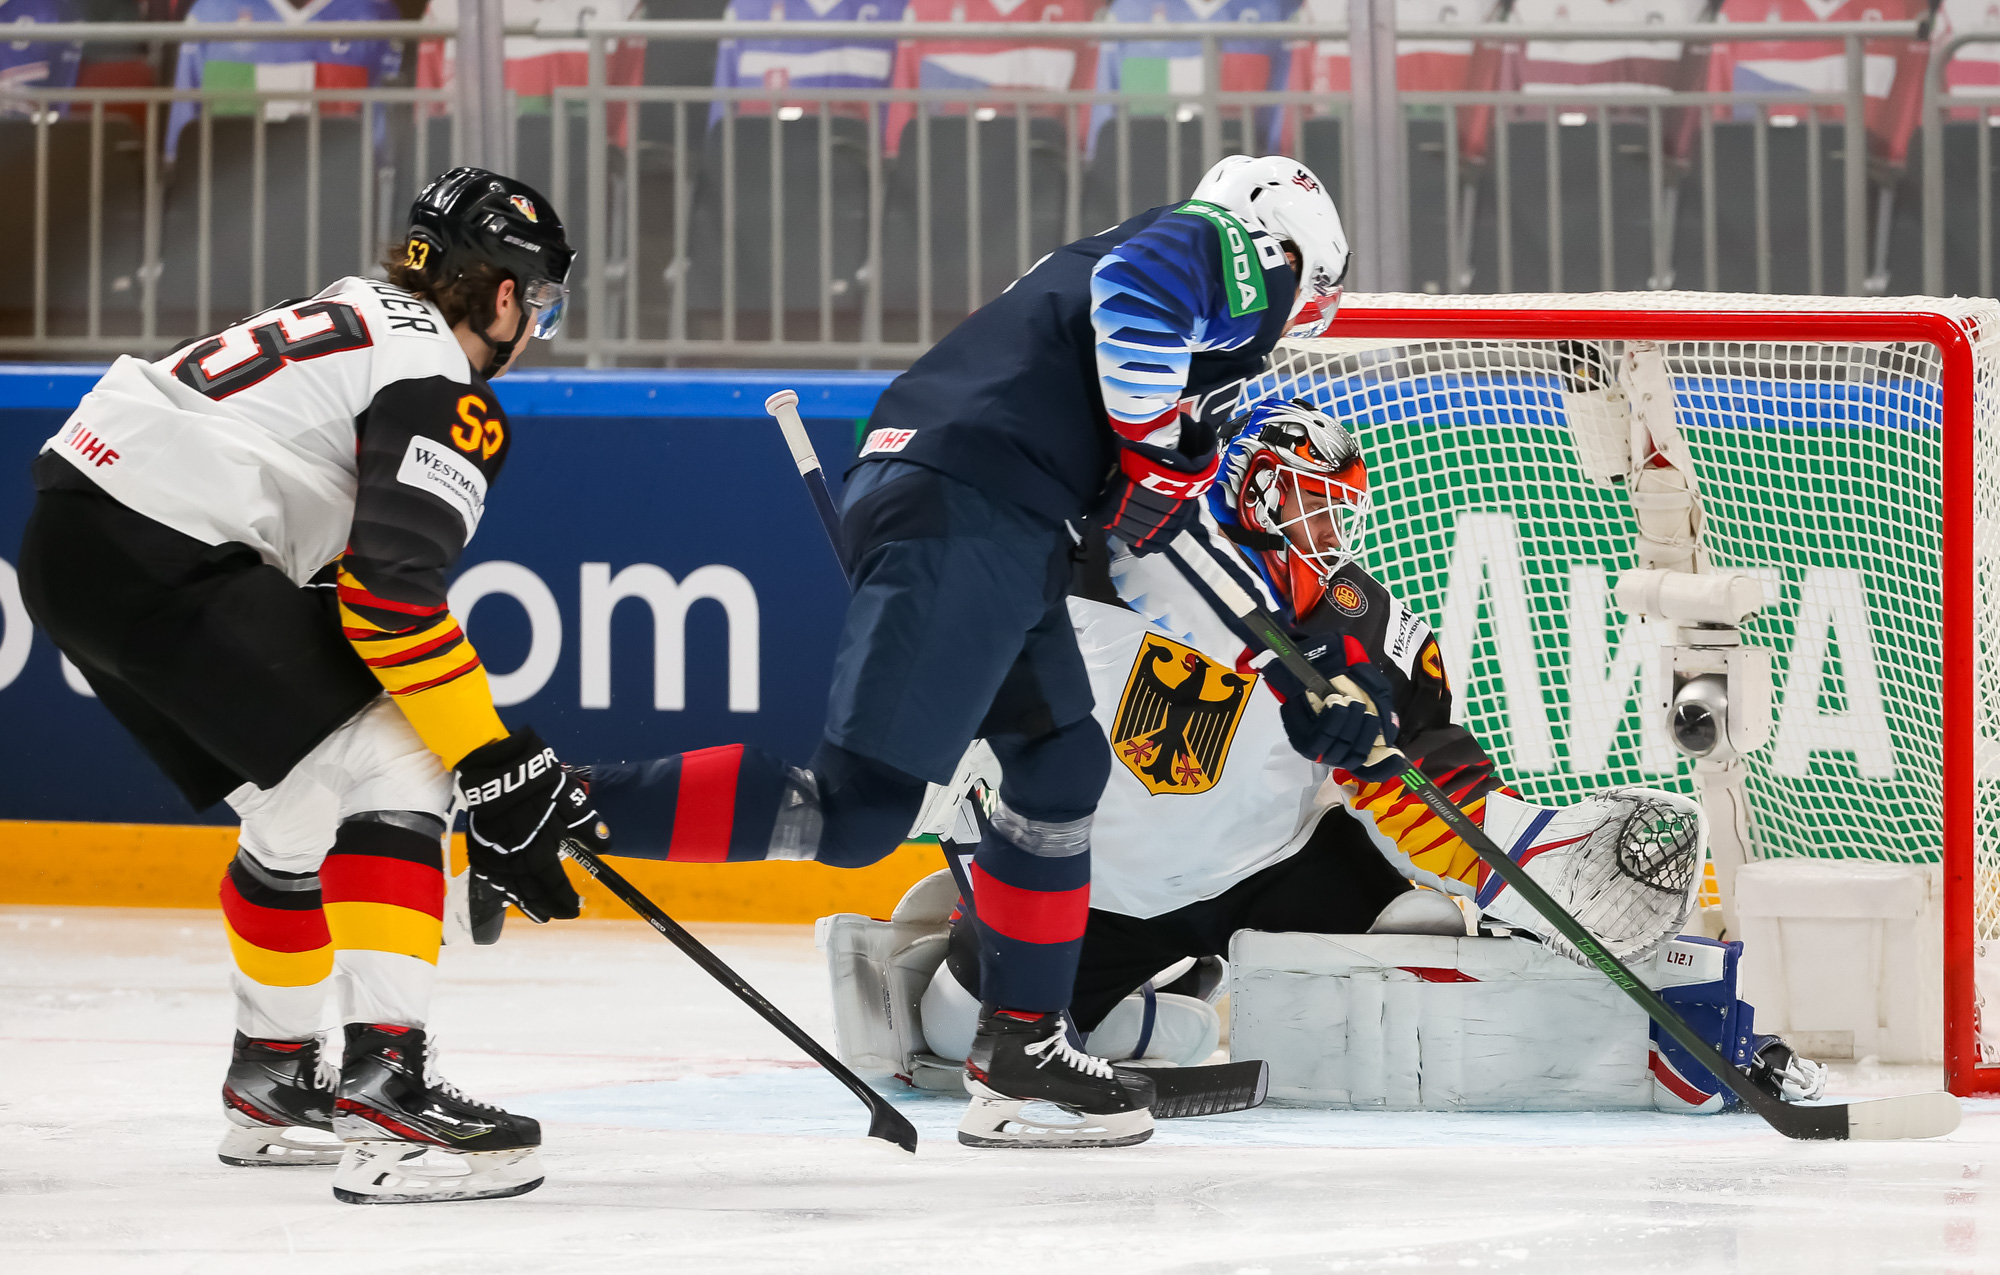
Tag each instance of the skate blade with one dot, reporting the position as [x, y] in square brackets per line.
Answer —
[264, 1148]
[993, 1120]
[412, 1173]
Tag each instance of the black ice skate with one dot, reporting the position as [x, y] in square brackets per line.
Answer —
[1019, 1058]
[279, 1102]
[411, 1137]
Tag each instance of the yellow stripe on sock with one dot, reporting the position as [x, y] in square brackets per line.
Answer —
[280, 969]
[384, 927]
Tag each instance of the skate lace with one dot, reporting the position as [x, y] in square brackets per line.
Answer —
[434, 1080]
[326, 1065]
[1058, 1049]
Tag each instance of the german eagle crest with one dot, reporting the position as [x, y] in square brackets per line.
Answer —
[1177, 717]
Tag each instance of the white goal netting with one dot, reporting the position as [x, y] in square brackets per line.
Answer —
[1821, 470]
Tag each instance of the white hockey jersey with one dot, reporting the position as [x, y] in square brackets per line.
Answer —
[346, 437]
[210, 442]
[1205, 789]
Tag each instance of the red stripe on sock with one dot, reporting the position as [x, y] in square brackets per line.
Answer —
[273, 929]
[1030, 916]
[705, 807]
[370, 878]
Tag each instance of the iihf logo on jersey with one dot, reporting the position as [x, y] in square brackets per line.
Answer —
[1177, 717]
[525, 206]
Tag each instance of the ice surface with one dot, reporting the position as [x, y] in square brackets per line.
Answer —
[684, 1135]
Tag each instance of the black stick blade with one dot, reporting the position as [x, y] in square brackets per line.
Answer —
[888, 1124]
[1180, 1092]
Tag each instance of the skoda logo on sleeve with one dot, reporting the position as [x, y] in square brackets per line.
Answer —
[1349, 600]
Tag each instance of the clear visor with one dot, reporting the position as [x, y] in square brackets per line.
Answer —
[1322, 517]
[546, 300]
[1315, 316]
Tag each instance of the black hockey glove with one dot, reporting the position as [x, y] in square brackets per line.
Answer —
[1155, 492]
[522, 806]
[1342, 735]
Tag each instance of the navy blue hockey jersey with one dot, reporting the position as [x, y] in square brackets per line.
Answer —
[1107, 333]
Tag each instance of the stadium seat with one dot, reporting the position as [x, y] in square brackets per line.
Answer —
[68, 224]
[1531, 234]
[288, 271]
[953, 139]
[798, 153]
[1161, 171]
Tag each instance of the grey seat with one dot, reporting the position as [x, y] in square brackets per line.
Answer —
[68, 224]
[1533, 234]
[289, 270]
[741, 200]
[963, 150]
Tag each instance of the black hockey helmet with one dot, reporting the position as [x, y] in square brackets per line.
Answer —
[470, 215]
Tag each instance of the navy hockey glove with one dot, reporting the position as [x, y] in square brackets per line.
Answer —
[1342, 735]
[1155, 492]
[522, 806]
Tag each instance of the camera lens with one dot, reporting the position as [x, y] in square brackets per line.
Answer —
[1695, 728]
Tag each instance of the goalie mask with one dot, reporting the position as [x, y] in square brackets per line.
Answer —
[1296, 475]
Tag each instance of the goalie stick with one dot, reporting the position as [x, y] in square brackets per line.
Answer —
[884, 1121]
[1921, 1115]
[1193, 1091]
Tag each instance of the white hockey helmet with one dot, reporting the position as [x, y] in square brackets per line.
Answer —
[1282, 198]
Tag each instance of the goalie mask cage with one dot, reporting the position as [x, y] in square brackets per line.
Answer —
[1847, 452]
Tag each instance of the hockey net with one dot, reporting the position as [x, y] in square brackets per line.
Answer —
[1848, 453]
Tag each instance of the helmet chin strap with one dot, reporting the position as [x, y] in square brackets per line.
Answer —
[502, 350]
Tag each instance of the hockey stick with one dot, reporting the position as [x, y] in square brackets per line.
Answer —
[1922, 1115]
[1193, 1091]
[784, 405]
[884, 1121]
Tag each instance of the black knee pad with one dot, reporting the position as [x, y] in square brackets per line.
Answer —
[1055, 777]
[868, 806]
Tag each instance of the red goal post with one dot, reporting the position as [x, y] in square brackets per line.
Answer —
[1839, 443]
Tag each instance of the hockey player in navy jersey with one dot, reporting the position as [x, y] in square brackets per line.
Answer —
[1089, 389]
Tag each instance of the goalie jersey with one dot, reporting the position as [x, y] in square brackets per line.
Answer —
[1205, 788]
[348, 441]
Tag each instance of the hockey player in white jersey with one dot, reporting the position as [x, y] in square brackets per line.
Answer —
[243, 547]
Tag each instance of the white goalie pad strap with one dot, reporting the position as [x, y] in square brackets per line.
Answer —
[1625, 863]
[878, 971]
[1184, 1031]
[1406, 1022]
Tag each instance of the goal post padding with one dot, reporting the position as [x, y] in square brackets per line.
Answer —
[1846, 455]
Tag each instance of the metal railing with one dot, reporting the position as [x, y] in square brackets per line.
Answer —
[861, 254]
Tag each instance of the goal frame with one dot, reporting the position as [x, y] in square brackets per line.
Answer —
[1358, 319]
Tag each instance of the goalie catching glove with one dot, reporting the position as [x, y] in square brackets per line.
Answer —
[522, 807]
[1340, 735]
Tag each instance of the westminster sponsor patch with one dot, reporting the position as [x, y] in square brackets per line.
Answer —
[1177, 717]
[431, 466]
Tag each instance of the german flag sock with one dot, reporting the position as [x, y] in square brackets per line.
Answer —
[384, 891]
[278, 935]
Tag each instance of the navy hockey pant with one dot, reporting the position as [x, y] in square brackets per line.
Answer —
[958, 630]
